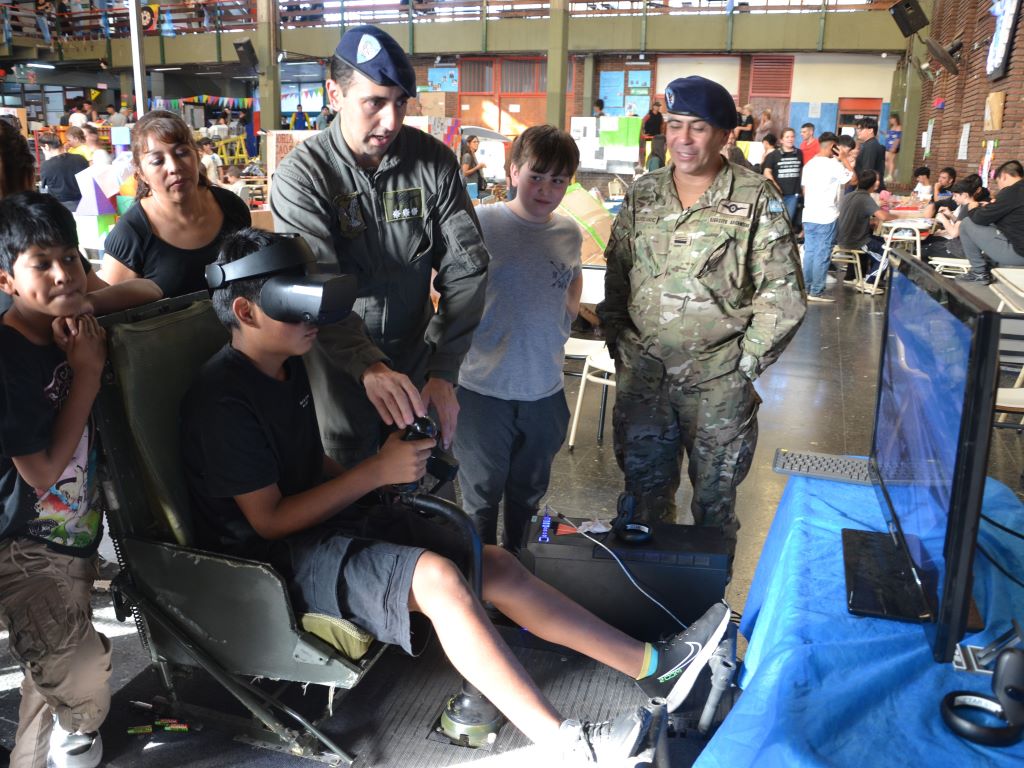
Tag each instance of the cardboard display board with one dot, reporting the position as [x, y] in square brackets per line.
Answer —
[280, 143]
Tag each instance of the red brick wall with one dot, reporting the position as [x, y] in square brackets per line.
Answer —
[965, 94]
[744, 86]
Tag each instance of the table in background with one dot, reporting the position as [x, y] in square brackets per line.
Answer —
[1009, 287]
[822, 687]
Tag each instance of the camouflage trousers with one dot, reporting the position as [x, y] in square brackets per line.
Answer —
[657, 421]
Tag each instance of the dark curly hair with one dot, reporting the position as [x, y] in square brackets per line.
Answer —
[17, 164]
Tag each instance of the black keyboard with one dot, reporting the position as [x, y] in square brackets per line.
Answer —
[823, 466]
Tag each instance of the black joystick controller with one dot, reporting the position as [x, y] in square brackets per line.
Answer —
[422, 428]
[632, 525]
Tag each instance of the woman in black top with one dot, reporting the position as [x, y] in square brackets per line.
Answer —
[179, 219]
[473, 171]
[745, 124]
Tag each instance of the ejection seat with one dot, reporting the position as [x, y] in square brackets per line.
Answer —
[228, 616]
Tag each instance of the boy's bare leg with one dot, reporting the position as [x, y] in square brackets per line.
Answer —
[550, 615]
[476, 650]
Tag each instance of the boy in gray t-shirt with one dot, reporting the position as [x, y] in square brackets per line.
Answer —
[513, 415]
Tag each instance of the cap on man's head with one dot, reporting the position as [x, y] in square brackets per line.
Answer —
[697, 96]
[374, 53]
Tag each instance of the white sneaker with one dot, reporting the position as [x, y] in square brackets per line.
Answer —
[75, 750]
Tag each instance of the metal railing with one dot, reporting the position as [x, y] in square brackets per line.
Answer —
[207, 16]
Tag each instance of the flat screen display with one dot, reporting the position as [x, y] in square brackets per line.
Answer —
[920, 408]
[933, 421]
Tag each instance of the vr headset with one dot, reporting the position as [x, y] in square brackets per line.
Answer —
[292, 295]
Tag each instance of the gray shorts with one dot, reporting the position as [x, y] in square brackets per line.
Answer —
[360, 568]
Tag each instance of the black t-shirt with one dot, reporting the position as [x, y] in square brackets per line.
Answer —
[242, 431]
[872, 158]
[746, 125]
[58, 176]
[653, 123]
[176, 270]
[1006, 213]
[786, 167]
[853, 228]
[35, 380]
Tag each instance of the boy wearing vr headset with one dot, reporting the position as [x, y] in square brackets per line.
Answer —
[265, 489]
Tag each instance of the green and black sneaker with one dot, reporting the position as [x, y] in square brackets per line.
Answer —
[681, 658]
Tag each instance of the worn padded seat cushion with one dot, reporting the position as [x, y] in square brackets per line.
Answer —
[143, 354]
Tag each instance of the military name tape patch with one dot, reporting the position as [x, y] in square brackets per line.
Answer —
[403, 204]
[728, 221]
[729, 208]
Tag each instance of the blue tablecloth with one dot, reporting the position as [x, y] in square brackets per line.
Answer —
[824, 688]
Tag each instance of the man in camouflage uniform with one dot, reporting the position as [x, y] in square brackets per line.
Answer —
[703, 292]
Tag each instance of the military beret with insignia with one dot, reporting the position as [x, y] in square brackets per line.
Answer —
[374, 53]
[697, 96]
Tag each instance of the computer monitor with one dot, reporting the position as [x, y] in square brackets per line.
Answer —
[933, 421]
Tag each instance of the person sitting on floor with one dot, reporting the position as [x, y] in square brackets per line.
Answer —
[262, 487]
[993, 234]
[858, 215]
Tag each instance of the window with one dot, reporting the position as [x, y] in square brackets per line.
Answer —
[477, 76]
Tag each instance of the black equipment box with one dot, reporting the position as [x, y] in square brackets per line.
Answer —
[684, 567]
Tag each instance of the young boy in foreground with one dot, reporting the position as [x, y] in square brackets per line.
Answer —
[52, 352]
[512, 410]
[256, 471]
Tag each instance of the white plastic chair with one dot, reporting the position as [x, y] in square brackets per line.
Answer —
[598, 368]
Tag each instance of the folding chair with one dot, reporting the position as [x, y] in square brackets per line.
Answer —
[1010, 400]
[598, 368]
[849, 256]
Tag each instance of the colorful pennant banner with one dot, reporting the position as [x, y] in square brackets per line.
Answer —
[216, 101]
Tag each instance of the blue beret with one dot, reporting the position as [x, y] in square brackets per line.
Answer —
[374, 53]
[699, 97]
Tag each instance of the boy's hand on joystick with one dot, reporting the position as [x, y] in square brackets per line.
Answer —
[404, 460]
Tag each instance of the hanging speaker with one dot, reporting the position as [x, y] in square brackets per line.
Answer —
[247, 54]
[908, 16]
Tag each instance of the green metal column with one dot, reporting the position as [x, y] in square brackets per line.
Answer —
[267, 47]
[558, 61]
[127, 89]
[588, 84]
[905, 100]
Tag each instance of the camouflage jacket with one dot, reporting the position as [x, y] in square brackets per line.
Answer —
[708, 289]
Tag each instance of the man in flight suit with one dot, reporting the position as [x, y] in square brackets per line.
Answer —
[703, 292]
[385, 203]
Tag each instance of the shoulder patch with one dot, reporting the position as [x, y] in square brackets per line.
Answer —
[775, 207]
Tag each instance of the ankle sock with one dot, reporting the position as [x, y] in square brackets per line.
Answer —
[650, 663]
